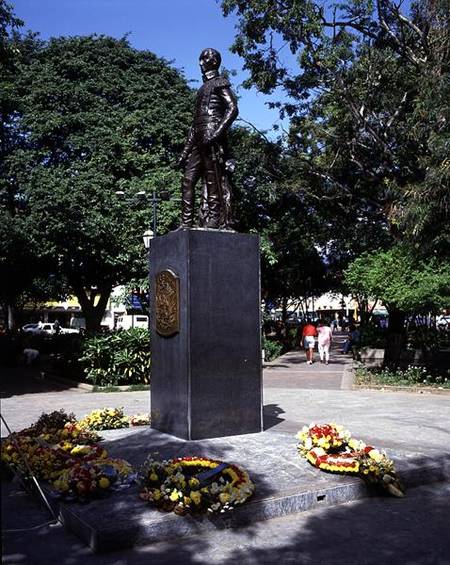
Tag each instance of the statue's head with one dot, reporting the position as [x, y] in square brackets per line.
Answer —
[210, 60]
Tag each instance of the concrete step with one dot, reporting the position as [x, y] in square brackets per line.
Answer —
[285, 484]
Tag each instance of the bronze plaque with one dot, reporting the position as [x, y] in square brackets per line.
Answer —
[167, 307]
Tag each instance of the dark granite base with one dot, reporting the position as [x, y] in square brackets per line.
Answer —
[207, 378]
[285, 484]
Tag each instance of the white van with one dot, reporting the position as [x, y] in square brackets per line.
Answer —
[127, 321]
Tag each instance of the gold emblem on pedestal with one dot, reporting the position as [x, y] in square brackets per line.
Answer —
[167, 307]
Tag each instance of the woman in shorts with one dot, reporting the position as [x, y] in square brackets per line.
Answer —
[309, 341]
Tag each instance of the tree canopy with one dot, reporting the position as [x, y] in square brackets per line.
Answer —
[92, 117]
[400, 281]
[366, 88]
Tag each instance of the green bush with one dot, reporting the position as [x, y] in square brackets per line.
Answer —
[372, 336]
[118, 358]
[411, 376]
[271, 348]
[428, 339]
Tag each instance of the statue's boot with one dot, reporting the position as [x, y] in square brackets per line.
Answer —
[214, 203]
[187, 212]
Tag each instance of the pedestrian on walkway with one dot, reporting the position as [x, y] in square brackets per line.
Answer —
[324, 339]
[309, 334]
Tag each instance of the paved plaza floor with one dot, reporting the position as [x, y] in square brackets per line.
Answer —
[413, 530]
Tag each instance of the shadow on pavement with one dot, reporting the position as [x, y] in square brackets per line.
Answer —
[16, 381]
[375, 530]
[271, 413]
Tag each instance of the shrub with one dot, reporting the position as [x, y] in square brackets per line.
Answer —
[411, 376]
[372, 336]
[271, 348]
[118, 358]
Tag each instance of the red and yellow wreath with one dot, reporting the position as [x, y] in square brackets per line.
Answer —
[331, 448]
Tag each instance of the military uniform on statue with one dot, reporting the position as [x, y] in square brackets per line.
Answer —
[205, 153]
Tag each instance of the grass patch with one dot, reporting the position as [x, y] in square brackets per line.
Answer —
[411, 376]
[97, 388]
[136, 387]
[112, 388]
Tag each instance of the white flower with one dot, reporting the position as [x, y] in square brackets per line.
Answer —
[308, 443]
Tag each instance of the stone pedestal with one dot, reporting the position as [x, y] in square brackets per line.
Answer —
[206, 378]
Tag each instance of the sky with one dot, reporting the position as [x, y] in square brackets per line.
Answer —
[177, 30]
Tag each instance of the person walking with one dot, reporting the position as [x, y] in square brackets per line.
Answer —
[324, 339]
[309, 334]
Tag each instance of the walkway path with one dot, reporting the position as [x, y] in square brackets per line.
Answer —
[26, 394]
[291, 370]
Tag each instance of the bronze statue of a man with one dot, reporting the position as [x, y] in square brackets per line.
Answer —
[205, 153]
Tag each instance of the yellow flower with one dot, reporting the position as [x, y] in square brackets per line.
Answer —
[194, 482]
[153, 477]
[224, 497]
[195, 496]
[156, 494]
[375, 455]
[174, 495]
[103, 482]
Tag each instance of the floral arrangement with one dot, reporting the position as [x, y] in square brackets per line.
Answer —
[331, 448]
[112, 419]
[105, 419]
[67, 455]
[194, 485]
[45, 461]
[55, 420]
[139, 420]
[57, 426]
[93, 479]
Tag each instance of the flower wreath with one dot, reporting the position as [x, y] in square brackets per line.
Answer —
[331, 448]
[93, 479]
[194, 485]
[59, 449]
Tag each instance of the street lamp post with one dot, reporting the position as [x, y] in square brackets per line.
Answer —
[155, 199]
[148, 236]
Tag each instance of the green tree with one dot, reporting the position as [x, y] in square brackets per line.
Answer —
[264, 202]
[97, 117]
[18, 265]
[403, 284]
[365, 87]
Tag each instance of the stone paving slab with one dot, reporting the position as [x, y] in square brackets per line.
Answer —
[285, 484]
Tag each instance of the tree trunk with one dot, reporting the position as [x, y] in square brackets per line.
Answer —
[11, 321]
[284, 309]
[395, 338]
[93, 313]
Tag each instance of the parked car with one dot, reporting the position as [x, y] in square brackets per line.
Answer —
[128, 321]
[31, 328]
[443, 322]
[46, 328]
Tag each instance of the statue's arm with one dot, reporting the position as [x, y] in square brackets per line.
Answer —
[187, 148]
[231, 110]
